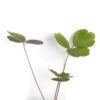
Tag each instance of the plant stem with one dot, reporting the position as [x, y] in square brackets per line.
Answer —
[59, 83]
[56, 92]
[33, 71]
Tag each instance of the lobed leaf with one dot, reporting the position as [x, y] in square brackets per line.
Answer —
[61, 40]
[83, 38]
[76, 52]
[61, 77]
[37, 42]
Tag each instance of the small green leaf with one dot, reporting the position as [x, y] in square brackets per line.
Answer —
[63, 74]
[76, 52]
[63, 79]
[54, 72]
[13, 39]
[17, 36]
[83, 38]
[61, 40]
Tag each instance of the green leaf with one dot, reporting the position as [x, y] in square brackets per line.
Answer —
[83, 38]
[63, 79]
[76, 52]
[54, 72]
[63, 74]
[13, 39]
[17, 36]
[61, 40]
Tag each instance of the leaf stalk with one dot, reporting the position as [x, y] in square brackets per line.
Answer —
[59, 83]
[33, 72]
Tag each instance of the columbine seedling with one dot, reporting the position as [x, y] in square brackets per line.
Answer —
[82, 40]
[19, 38]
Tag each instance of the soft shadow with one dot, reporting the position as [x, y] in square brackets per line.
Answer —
[51, 42]
[50, 45]
[33, 98]
[71, 39]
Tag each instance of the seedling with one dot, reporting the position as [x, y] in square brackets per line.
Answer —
[82, 40]
[19, 38]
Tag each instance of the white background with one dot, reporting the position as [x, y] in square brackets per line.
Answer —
[40, 19]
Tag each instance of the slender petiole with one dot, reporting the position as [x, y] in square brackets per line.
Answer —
[59, 83]
[32, 71]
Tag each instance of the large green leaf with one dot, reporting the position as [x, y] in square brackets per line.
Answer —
[61, 40]
[16, 37]
[76, 52]
[83, 38]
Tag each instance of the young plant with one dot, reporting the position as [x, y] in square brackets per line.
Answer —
[18, 38]
[82, 40]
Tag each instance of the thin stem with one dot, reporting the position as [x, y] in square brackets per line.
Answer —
[59, 83]
[56, 92]
[65, 62]
[32, 71]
